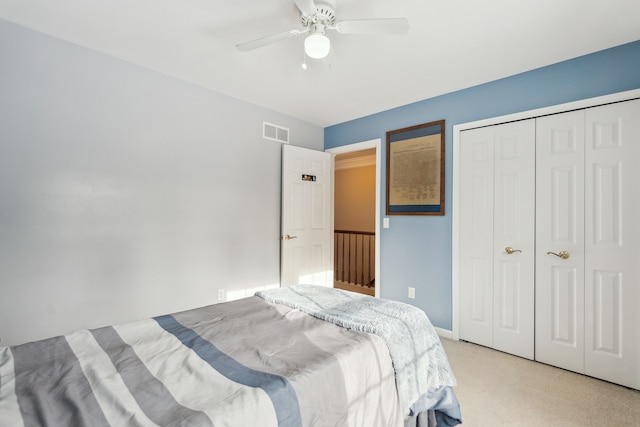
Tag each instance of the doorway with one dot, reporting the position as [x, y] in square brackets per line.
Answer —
[357, 217]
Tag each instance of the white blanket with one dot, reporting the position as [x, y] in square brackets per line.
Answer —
[419, 360]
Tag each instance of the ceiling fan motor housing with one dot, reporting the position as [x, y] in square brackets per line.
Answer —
[325, 14]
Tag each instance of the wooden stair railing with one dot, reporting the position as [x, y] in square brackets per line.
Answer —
[354, 253]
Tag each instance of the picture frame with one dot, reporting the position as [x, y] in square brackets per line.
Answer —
[415, 170]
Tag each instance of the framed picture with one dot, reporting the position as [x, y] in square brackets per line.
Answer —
[415, 170]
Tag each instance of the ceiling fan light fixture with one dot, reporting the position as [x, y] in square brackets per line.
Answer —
[317, 46]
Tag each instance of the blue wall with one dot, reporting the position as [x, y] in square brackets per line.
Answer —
[416, 251]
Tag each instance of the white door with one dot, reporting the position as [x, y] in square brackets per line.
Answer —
[587, 299]
[307, 217]
[560, 231]
[514, 237]
[612, 243]
[476, 235]
[497, 236]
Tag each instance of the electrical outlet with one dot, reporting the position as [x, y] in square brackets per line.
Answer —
[220, 294]
[412, 292]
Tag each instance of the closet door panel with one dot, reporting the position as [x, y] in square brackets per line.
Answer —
[497, 212]
[476, 236]
[612, 243]
[514, 210]
[564, 319]
[559, 312]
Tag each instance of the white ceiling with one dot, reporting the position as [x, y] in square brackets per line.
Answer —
[451, 45]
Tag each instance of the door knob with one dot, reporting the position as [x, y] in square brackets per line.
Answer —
[561, 254]
[509, 250]
[287, 237]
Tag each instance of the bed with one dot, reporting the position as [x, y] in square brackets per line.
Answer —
[294, 356]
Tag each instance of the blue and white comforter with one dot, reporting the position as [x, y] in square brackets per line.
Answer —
[243, 363]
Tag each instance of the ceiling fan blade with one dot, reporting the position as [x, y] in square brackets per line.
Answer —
[307, 7]
[263, 41]
[390, 26]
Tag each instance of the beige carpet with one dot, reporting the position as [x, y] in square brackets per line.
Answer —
[497, 389]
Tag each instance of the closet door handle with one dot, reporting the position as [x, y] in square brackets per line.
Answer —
[509, 250]
[562, 254]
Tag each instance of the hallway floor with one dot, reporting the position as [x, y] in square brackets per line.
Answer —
[355, 288]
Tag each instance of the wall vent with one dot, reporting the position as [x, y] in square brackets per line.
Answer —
[275, 133]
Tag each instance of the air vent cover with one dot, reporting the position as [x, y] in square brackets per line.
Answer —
[275, 133]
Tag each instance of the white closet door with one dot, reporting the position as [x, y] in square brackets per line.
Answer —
[514, 219]
[559, 309]
[497, 212]
[476, 235]
[612, 243]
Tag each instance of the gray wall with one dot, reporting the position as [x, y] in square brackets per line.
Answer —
[125, 193]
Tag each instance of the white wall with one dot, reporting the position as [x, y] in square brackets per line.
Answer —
[125, 193]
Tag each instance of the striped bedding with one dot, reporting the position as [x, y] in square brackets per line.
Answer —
[243, 363]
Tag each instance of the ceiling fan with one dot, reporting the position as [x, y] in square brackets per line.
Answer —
[318, 16]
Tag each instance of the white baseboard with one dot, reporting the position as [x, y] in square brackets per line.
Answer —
[444, 333]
